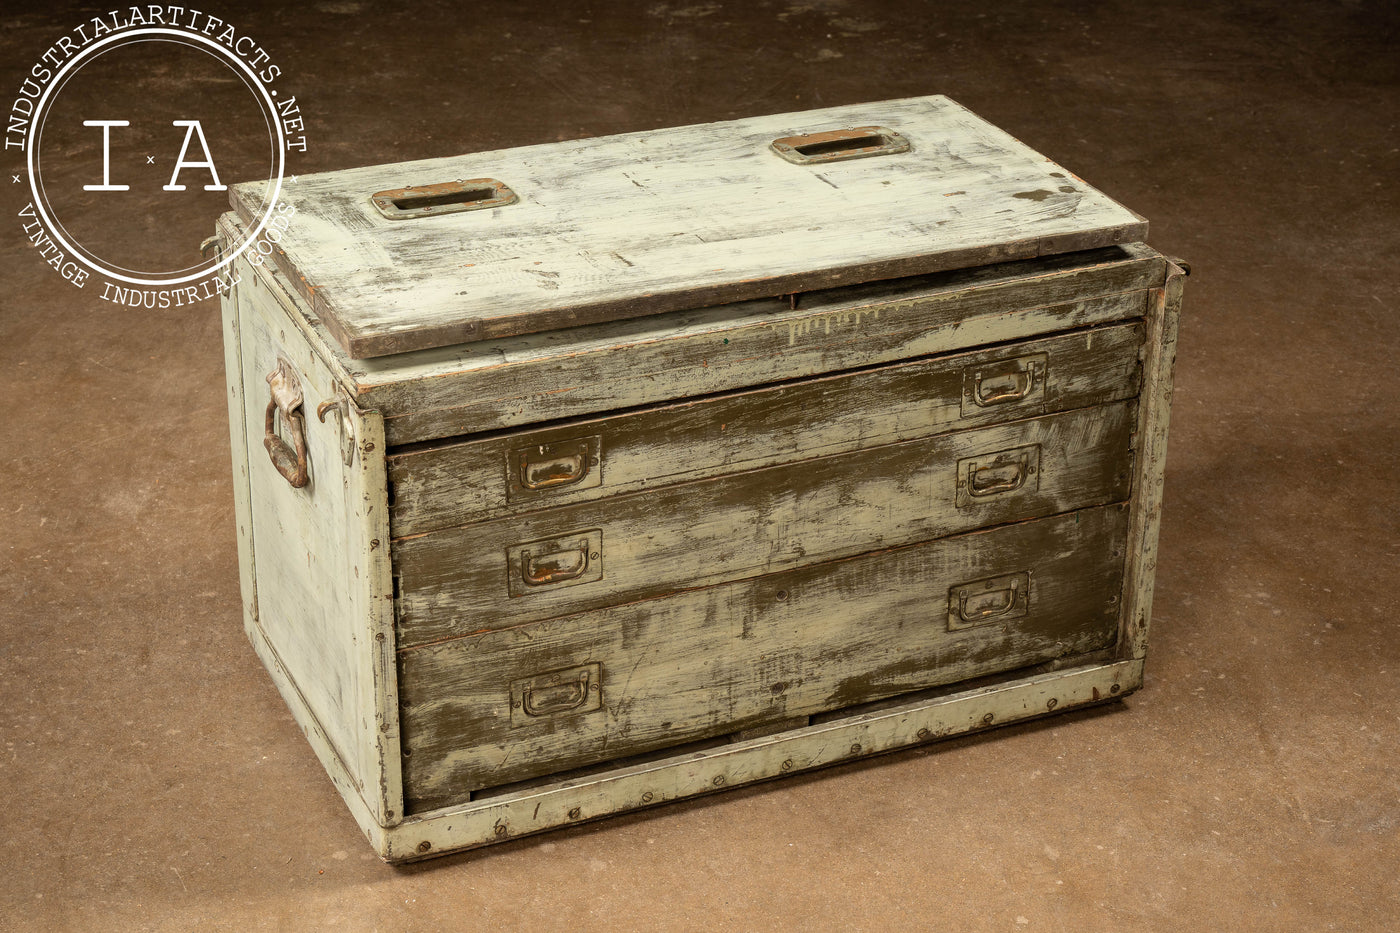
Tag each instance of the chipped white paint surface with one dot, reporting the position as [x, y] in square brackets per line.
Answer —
[1159, 362]
[315, 560]
[656, 221]
[494, 384]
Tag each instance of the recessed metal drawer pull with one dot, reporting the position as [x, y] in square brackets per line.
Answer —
[998, 599]
[988, 605]
[1001, 388]
[553, 568]
[289, 460]
[994, 479]
[547, 471]
[835, 145]
[555, 698]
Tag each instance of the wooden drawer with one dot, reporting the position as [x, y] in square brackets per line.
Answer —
[474, 480]
[499, 707]
[573, 558]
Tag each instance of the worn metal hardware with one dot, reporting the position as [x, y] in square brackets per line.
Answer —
[838, 145]
[341, 404]
[995, 599]
[572, 690]
[1019, 381]
[447, 197]
[535, 566]
[995, 474]
[542, 469]
[289, 459]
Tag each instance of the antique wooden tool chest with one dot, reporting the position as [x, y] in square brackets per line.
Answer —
[583, 477]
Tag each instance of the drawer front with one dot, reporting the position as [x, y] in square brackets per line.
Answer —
[477, 480]
[499, 707]
[651, 543]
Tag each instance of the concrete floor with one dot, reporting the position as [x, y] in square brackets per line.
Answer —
[157, 783]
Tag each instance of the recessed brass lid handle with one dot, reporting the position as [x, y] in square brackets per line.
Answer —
[447, 197]
[858, 142]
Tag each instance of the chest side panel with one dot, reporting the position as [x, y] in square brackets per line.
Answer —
[322, 579]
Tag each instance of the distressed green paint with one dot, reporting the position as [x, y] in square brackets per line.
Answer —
[733, 657]
[470, 480]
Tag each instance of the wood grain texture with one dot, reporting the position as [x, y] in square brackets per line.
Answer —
[460, 580]
[476, 480]
[1151, 445]
[324, 586]
[229, 304]
[658, 221]
[637, 785]
[725, 658]
[497, 384]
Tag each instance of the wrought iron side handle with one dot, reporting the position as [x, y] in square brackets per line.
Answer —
[289, 459]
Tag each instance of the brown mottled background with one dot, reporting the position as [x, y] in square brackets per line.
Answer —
[154, 781]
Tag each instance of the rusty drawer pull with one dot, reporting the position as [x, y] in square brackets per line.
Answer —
[993, 388]
[996, 603]
[290, 460]
[837, 145]
[572, 690]
[555, 698]
[997, 481]
[982, 601]
[553, 568]
[550, 471]
[473, 194]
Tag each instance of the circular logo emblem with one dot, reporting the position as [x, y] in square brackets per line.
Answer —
[132, 132]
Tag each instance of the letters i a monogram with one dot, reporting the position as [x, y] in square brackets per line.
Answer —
[192, 129]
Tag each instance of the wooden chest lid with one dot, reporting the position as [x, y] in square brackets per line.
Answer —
[444, 251]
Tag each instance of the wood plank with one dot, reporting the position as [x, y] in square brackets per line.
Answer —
[238, 445]
[655, 782]
[324, 584]
[498, 384]
[1151, 444]
[584, 370]
[475, 480]
[762, 521]
[650, 222]
[713, 661]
